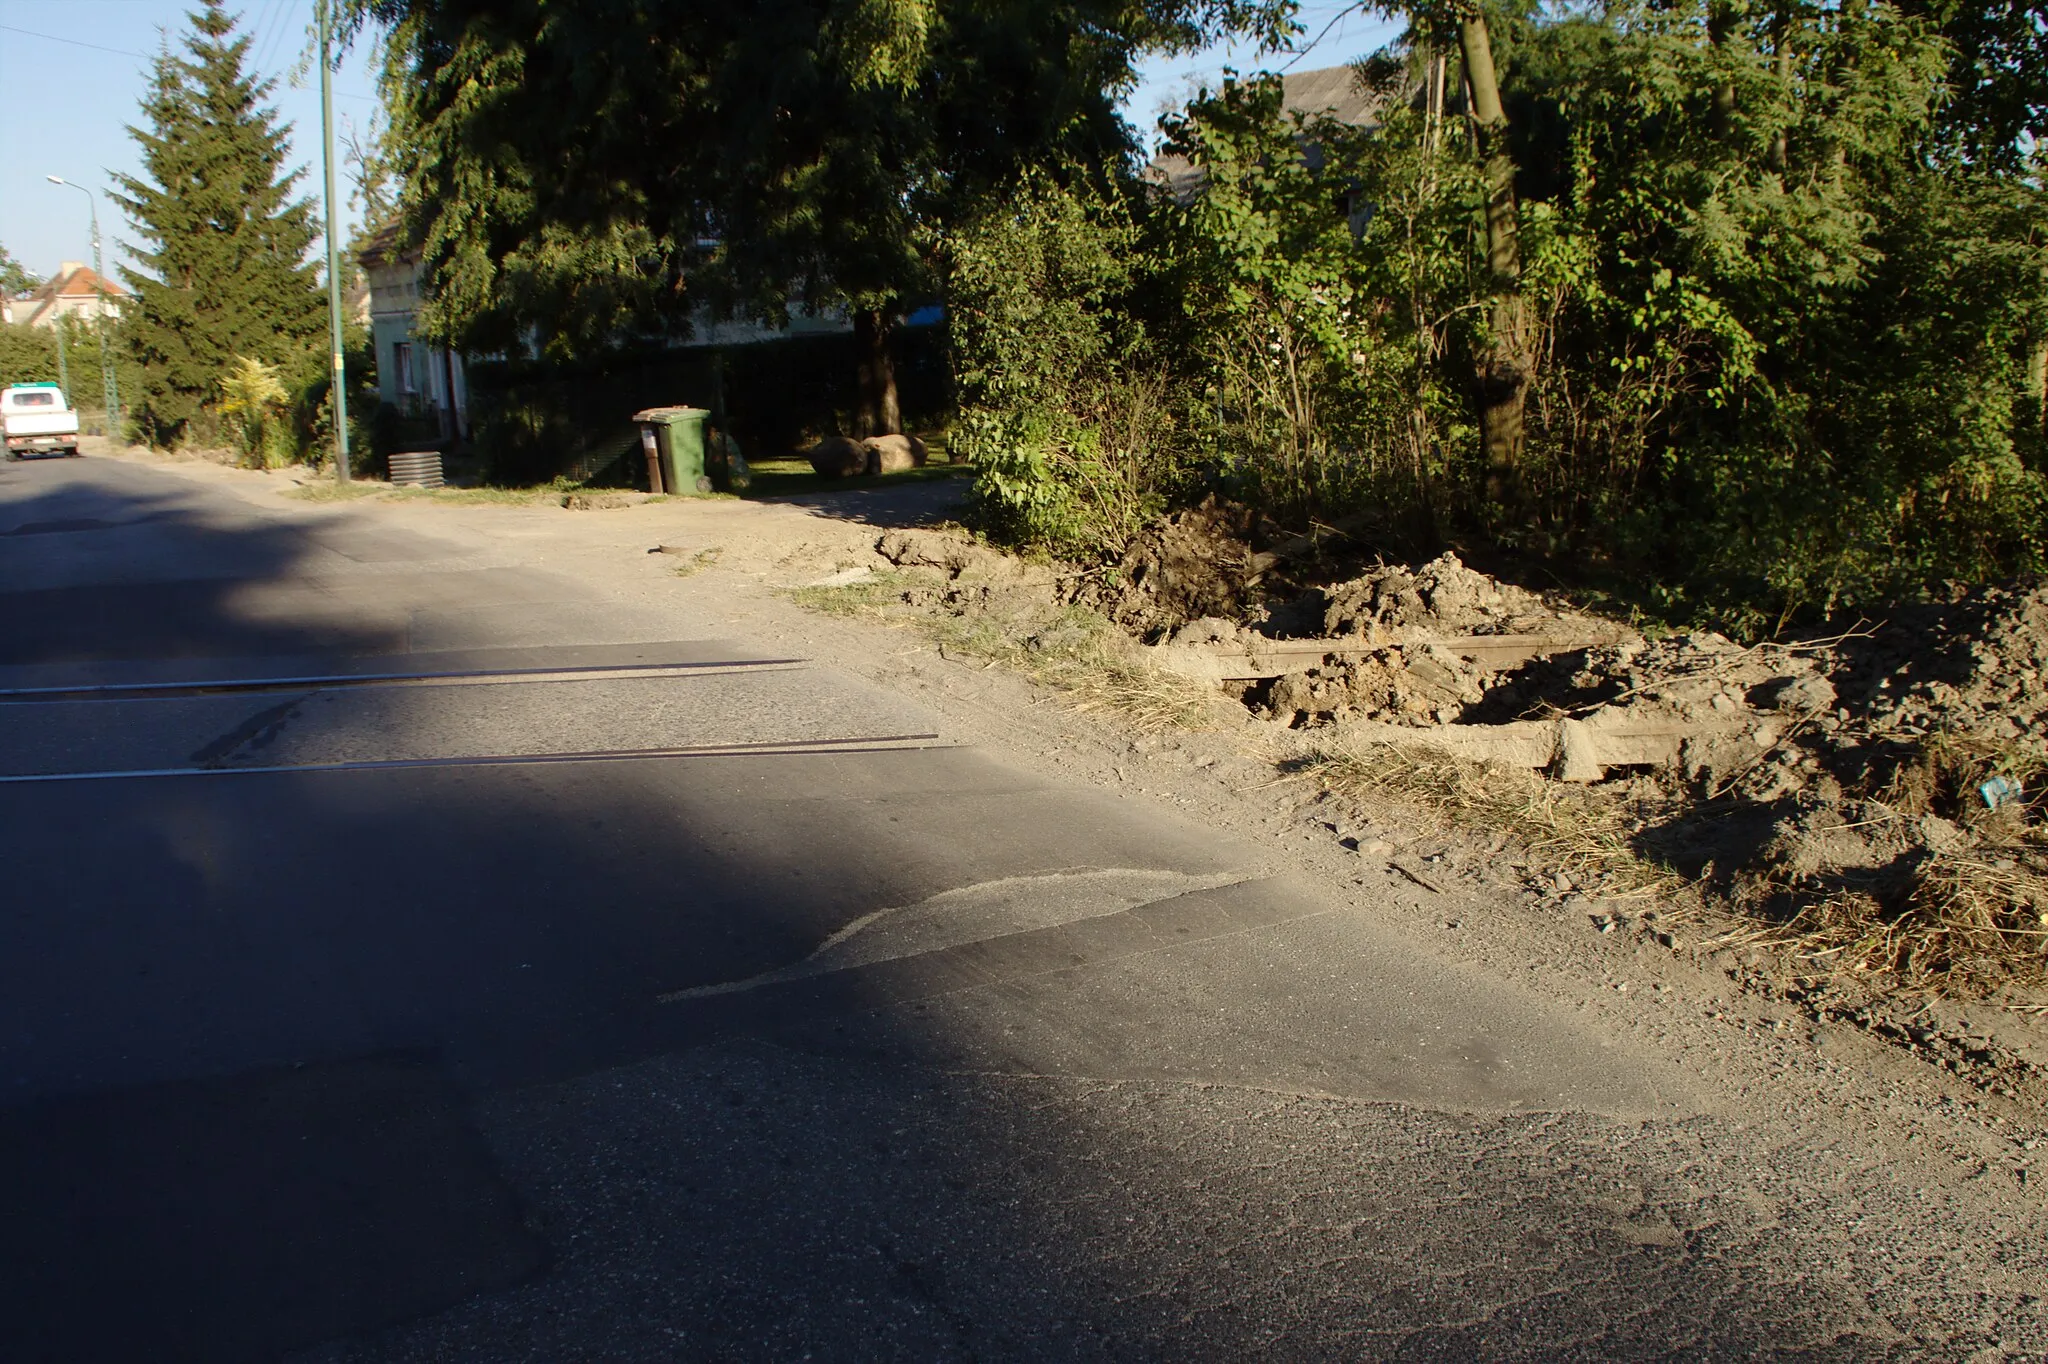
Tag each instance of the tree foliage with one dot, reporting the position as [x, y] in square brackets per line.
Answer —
[581, 175]
[1783, 275]
[224, 270]
[15, 278]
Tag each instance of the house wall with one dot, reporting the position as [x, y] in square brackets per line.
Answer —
[412, 376]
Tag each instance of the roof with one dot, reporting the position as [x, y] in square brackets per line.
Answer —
[72, 282]
[75, 281]
[1333, 91]
[384, 246]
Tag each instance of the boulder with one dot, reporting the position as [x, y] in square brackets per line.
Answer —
[893, 454]
[838, 457]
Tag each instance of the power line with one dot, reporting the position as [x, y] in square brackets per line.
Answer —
[53, 38]
[259, 33]
[278, 19]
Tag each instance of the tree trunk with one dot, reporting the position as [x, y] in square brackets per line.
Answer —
[2037, 383]
[881, 411]
[1781, 40]
[1721, 20]
[1502, 380]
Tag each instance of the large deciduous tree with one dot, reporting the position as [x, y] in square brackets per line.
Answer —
[224, 270]
[577, 175]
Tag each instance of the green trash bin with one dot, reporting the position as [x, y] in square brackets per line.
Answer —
[674, 440]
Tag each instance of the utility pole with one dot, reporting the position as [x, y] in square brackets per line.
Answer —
[110, 393]
[63, 369]
[339, 391]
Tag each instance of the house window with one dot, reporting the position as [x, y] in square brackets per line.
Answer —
[401, 360]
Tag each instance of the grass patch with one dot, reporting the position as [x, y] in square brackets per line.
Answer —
[1585, 833]
[535, 495]
[795, 477]
[1068, 648]
[698, 562]
[327, 490]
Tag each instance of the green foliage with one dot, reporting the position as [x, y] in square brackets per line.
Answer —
[1064, 408]
[252, 395]
[1321, 289]
[1789, 333]
[15, 278]
[596, 174]
[28, 355]
[1789, 378]
[225, 270]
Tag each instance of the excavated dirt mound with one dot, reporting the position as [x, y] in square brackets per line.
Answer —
[1875, 796]
[1974, 666]
[1180, 568]
[1412, 668]
[1443, 596]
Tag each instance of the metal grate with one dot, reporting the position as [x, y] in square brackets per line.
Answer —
[419, 468]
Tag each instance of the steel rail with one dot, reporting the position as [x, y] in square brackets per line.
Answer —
[145, 691]
[886, 743]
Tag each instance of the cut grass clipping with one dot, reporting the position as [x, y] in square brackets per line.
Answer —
[1568, 827]
[1068, 648]
[1969, 919]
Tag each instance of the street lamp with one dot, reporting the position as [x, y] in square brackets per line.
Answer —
[110, 392]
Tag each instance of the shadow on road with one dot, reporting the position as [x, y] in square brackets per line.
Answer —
[381, 1059]
[901, 506]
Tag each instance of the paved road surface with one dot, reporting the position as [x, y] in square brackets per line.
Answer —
[407, 954]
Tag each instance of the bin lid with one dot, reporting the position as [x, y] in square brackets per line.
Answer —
[663, 414]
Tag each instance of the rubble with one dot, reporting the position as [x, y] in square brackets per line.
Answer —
[1888, 767]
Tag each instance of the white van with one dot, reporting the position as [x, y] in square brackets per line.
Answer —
[38, 421]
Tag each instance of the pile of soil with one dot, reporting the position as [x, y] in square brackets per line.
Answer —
[1847, 789]
[1180, 568]
[1442, 596]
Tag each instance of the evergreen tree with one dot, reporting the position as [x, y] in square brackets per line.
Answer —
[226, 271]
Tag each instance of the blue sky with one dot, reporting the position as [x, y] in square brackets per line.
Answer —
[92, 57]
[1334, 33]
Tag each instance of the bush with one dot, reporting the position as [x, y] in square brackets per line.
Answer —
[1069, 413]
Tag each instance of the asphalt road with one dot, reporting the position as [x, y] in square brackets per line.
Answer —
[410, 956]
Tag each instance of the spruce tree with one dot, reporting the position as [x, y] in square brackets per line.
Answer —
[225, 270]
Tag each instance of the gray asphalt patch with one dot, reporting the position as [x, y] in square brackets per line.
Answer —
[954, 918]
[229, 1220]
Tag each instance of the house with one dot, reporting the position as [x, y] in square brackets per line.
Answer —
[1332, 91]
[416, 379]
[74, 291]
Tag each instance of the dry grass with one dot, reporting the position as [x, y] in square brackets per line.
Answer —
[1068, 648]
[327, 490]
[1967, 920]
[698, 562]
[1585, 833]
[1974, 924]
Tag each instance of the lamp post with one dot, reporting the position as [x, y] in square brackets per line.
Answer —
[109, 391]
[339, 391]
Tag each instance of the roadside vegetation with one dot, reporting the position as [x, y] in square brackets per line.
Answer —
[1738, 315]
